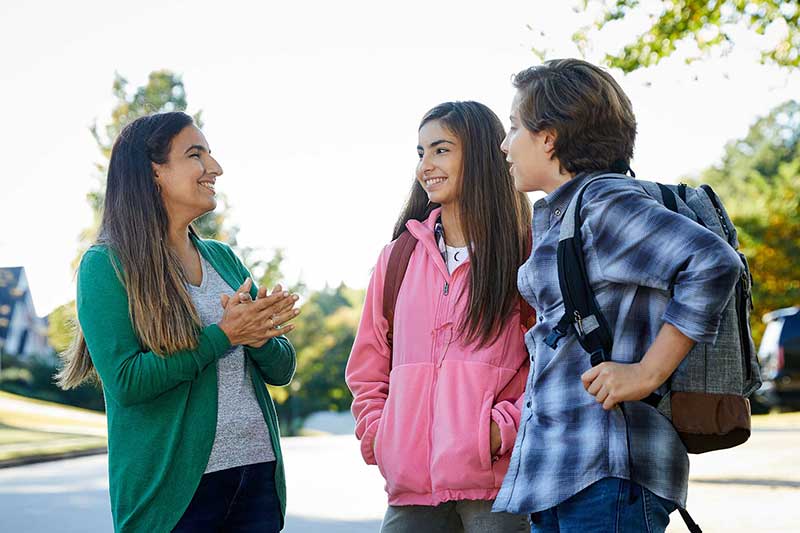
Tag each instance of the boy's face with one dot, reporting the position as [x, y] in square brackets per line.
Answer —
[531, 155]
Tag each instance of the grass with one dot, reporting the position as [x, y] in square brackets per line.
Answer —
[37, 429]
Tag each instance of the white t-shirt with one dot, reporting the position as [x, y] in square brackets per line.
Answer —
[455, 257]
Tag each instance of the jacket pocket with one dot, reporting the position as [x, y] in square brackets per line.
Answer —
[485, 432]
[377, 445]
[460, 455]
[402, 439]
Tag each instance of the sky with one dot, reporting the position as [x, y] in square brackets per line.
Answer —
[312, 109]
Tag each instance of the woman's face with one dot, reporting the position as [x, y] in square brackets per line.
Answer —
[188, 177]
[439, 168]
[530, 154]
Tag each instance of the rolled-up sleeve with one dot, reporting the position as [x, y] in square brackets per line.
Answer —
[638, 241]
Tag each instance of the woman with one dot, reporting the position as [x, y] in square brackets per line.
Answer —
[582, 463]
[182, 343]
[437, 410]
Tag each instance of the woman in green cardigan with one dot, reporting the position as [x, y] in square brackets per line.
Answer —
[183, 343]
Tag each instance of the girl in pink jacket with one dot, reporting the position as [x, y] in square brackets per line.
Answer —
[437, 399]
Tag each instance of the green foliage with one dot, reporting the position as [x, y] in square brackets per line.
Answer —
[325, 334]
[268, 273]
[759, 180]
[706, 23]
[61, 326]
[33, 377]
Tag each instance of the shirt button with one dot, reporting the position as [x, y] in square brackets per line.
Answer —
[528, 404]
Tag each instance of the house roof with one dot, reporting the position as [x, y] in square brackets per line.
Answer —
[10, 295]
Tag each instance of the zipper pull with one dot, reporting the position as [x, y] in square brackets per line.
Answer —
[446, 288]
[579, 323]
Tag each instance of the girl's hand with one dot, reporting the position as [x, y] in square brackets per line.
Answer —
[494, 438]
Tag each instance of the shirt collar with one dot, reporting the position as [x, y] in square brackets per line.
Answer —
[559, 199]
[438, 231]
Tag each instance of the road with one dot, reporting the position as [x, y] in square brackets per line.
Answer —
[755, 487]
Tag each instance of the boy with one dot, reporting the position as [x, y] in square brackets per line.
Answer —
[581, 463]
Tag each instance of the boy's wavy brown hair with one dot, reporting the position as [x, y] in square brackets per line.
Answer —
[587, 110]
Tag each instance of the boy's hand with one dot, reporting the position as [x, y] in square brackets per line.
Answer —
[612, 383]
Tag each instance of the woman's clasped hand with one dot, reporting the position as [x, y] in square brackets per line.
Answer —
[250, 322]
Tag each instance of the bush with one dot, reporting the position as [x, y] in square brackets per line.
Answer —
[33, 377]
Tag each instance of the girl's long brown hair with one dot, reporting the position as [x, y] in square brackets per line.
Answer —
[134, 230]
[495, 217]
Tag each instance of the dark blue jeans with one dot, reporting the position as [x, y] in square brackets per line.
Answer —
[606, 507]
[236, 500]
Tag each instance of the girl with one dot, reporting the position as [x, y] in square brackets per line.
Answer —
[183, 343]
[437, 409]
[662, 282]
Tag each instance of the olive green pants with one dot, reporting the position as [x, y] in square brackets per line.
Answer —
[465, 516]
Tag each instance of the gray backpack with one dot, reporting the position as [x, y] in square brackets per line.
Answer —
[708, 394]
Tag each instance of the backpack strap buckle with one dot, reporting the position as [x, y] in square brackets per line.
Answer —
[597, 357]
[558, 332]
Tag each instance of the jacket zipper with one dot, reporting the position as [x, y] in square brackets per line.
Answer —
[434, 381]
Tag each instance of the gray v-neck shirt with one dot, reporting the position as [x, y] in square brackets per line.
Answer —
[242, 436]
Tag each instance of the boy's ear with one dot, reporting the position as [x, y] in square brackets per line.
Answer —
[549, 142]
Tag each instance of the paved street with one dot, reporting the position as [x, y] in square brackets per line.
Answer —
[754, 488]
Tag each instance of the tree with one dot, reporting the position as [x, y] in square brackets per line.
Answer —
[707, 24]
[61, 326]
[163, 92]
[759, 180]
[325, 333]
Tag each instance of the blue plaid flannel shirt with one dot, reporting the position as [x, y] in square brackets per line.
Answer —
[635, 251]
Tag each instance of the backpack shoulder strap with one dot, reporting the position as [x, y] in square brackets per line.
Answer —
[581, 310]
[395, 272]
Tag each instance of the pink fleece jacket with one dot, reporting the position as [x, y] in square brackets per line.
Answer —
[426, 425]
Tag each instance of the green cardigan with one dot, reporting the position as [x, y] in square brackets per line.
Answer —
[162, 411]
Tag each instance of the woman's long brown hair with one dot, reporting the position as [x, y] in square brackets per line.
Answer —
[134, 230]
[496, 219]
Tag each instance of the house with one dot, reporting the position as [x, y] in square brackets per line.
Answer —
[22, 332]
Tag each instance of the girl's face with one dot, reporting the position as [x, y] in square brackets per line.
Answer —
[531, 155]
[439, 168]
[188, 177]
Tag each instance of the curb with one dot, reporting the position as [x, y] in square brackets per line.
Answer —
[33, 459]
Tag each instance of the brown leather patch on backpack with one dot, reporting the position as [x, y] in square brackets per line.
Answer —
[707, 422]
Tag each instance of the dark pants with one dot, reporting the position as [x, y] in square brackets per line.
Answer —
[236, 500]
